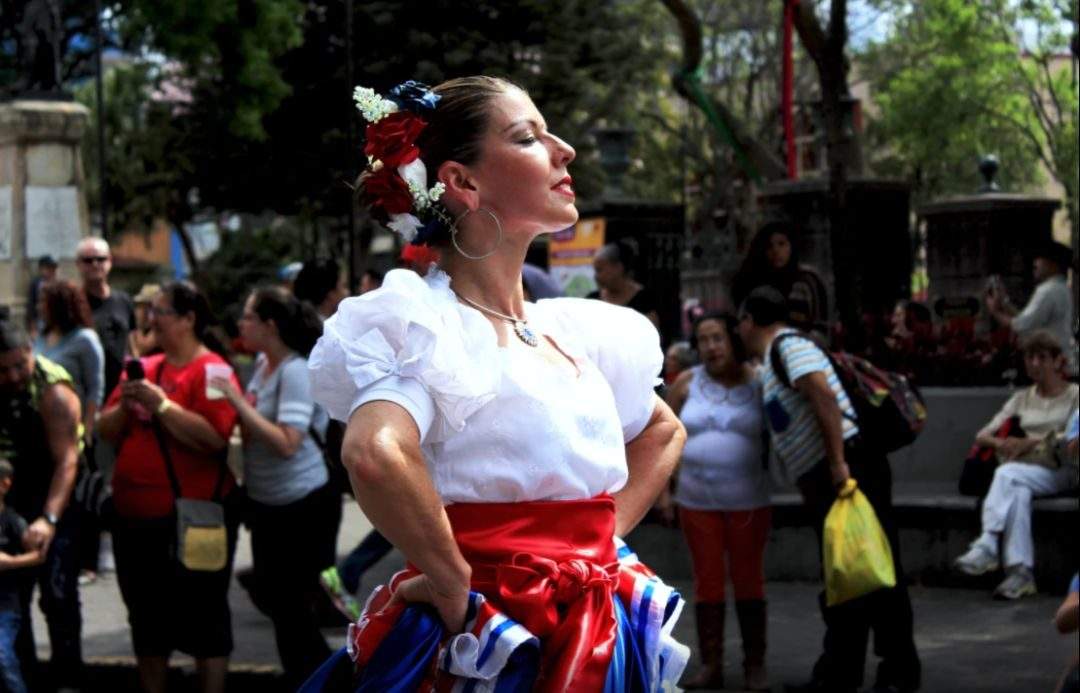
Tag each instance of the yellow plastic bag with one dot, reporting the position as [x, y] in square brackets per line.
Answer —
[856, 551]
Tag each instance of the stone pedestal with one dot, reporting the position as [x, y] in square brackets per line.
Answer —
[42, 192]
[970, 238]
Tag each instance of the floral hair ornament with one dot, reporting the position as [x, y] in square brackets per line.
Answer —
[395, 181]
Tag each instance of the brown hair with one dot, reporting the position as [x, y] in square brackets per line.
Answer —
[298, 325]
[1042, 342]
[459, 120]
[455, 128]
[66, 307]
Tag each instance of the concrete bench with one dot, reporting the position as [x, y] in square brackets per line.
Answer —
[936, 526]
[936, 522]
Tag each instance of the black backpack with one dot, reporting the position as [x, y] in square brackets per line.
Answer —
[889, 409]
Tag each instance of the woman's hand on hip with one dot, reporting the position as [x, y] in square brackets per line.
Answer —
[451, 603]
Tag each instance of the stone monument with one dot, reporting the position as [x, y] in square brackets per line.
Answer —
[971, 237]
[43, 207]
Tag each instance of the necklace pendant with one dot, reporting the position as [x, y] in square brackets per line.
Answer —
[525, 334]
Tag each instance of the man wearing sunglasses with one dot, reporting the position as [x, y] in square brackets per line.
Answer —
[114, 312]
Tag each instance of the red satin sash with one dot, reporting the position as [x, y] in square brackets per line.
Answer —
[552, 567]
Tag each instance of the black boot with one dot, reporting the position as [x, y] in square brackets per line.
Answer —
[710, 628]
[752, 624]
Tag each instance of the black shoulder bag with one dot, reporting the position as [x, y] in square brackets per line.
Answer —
[329, 446]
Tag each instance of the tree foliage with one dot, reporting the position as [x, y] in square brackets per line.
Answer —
[954, 80]
[147, 163]
[265, 110]
[227, 50]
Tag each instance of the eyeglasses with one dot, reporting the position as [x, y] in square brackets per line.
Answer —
[91, 259]
[155, 310]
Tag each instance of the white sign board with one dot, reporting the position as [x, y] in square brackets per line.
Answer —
[7, 221]
[52, 221]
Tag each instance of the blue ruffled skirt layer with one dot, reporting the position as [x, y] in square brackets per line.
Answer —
[497, 654]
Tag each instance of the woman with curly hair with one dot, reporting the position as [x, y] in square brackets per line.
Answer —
[68, 339]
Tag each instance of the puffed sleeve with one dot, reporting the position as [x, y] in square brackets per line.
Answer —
[625, 347]
[405, 343]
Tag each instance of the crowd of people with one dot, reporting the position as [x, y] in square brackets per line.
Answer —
[144, 391]
[441, 397]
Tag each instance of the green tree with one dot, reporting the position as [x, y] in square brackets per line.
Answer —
[954, 80]
[228, 50]
[146, 162]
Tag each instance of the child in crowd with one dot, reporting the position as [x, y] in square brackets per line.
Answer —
[13, 558]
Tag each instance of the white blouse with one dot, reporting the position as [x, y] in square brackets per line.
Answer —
[497, 424]
[722, 464]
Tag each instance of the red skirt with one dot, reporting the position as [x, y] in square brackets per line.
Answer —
[555, 569]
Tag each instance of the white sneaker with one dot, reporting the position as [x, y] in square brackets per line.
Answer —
[977, 561]
[1019, 583]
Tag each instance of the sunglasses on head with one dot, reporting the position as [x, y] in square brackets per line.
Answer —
[94, 258]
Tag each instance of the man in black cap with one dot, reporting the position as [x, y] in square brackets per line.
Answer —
[1050, 307]
[46, 273]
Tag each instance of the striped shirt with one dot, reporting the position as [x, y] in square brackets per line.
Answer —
[795, 434]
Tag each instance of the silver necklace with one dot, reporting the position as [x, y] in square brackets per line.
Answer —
[521, 327]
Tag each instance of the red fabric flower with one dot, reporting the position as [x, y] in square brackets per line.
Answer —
[392, 140]
[386, 189]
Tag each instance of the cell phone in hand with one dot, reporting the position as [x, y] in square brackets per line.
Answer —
[134, 370]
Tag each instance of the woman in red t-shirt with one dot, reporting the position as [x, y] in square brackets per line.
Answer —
[169, 607]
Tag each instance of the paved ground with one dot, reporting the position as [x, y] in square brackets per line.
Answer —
[967, 641]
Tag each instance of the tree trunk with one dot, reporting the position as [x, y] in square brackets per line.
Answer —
[842, 154]
[757, 160]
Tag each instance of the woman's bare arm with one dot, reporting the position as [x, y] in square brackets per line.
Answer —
[381, 452]
[651, 458]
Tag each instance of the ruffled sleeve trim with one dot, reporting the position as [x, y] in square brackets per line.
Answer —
[407, 339]
[407, 393]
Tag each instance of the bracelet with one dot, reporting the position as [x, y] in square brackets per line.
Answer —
[166, 405]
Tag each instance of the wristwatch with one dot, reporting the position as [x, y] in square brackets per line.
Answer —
[165, 405]
[50, 518]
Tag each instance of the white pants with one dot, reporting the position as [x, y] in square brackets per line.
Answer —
[1007, 508]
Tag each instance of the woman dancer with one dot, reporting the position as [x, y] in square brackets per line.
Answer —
[502, 446]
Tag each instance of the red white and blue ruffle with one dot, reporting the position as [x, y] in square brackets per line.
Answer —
[558, 605]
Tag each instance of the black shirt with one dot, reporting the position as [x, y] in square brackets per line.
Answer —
[32, 301]
[12, 528]
[643, 301]
[114, 319]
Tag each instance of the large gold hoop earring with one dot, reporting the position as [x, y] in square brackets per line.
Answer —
[454, 233]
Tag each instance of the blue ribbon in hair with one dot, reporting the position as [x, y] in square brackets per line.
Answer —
[414, 96]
